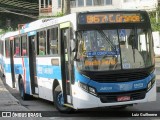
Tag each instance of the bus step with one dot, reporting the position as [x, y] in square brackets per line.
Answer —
[35, 95]
[69, 105]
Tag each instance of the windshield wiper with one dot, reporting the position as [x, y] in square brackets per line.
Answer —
[79, 38]
[107, 39]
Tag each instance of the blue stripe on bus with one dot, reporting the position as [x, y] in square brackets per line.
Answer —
[22, 31]
[52, 72]
[7, 68]
[18, 69]
[46, 71]
[31, 33]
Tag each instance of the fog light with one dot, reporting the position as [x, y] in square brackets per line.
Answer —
[92, 90]
[153, 80]
[149, 85]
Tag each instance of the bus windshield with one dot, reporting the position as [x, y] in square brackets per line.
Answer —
[114, 49]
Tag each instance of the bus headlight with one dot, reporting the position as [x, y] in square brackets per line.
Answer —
[92, 90]
[87, 88]
[83, 86]
[150, 84]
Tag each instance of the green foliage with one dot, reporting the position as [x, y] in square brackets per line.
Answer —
[155, 23]
[2, 32]
[5, 31]
[14, 21]
[59, 14]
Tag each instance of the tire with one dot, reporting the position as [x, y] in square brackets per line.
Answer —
[23, 95]
[58, 101]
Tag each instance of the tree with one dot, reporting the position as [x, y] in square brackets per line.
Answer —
[17, 12]
[155, 19]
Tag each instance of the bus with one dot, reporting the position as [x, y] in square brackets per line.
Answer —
[84, 60]
[3, 60]
[1, 55]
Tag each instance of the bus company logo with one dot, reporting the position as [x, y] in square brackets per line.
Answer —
[138, 85]
[6, 114]
[105, 88]
[125, 86]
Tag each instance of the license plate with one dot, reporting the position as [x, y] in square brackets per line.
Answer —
[123, 98]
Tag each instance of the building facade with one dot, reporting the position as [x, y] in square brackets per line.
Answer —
[53, 7]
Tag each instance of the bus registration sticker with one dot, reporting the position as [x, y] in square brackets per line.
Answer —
[123, 98]
[126, 65]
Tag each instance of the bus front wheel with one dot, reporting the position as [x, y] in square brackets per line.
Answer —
[59, 101]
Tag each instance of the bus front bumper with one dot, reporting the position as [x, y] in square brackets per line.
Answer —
[83, 99]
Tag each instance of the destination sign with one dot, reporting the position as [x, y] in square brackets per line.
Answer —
[109, 18]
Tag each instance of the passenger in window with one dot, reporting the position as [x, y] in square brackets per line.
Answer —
[7, 53]
[17, 51]
[24, 52]
[41, 52]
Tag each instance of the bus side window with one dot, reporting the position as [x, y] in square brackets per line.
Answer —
[17, 47]
[24, 46]
[42, 43]
[52, 41]
[7, 46]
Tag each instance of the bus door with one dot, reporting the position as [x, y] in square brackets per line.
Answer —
[12, 61]
[32, 64]
[66, 63]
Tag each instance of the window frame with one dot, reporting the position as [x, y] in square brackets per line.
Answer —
[37, 42]
[59, 3]
[111, 2]
[91, 3]
[80, 5]
[19, 39]
[7, 41]
[48, 41]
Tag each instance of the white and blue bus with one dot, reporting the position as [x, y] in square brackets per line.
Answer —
[84, 60]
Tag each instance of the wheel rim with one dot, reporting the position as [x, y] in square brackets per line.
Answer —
[60, 99]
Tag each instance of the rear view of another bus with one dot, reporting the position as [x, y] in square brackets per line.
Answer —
[7, 62]
[2, 54]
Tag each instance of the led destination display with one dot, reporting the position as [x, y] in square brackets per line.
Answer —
[100, 18]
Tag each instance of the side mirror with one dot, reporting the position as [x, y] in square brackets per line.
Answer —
[73, 45]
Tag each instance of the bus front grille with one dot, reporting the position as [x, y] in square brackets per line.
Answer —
[118, 75]
[112, 97]
[122, 77]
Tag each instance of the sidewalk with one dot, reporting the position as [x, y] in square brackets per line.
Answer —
[7, 101]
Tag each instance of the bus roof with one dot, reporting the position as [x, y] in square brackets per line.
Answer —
[111, 10]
